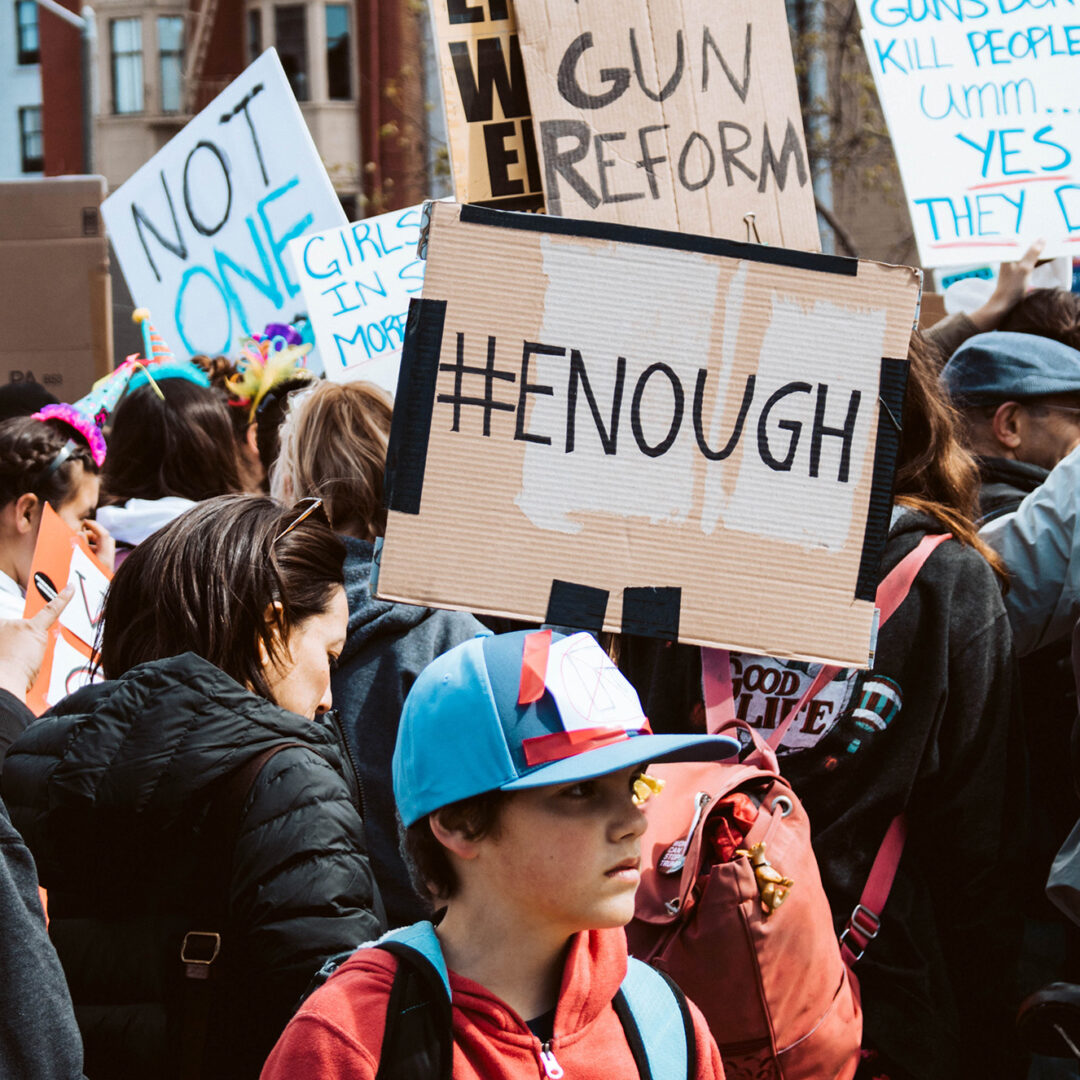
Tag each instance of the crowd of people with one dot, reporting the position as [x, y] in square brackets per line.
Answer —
[295, 830]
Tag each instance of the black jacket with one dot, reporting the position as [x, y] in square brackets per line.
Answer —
[38, 1034]
[1003, 483]
[113, 790]
[946, 747]
[387, 646]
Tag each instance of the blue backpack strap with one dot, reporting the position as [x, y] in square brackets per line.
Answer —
[420, 937]
[657, 1022]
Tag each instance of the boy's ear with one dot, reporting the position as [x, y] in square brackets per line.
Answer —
[454, 840]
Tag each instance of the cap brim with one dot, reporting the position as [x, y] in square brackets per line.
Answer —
[637, 750]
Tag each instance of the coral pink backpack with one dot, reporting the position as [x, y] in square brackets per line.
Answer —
[776, 988]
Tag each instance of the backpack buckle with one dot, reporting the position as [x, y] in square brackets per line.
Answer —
[199, 950]
[864, 924]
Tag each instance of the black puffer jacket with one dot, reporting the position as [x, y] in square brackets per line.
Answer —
[112, 792]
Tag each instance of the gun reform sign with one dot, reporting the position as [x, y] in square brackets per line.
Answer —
[626, 429]
[677, 114]
[492, 148]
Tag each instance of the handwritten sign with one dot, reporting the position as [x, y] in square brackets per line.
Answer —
[668, 435]
[677, 114]
[982, 105]
[357, 282]
[492, 147]
[62, 557]
[202, 228]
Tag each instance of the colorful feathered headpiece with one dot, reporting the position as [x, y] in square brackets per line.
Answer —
[267, 360]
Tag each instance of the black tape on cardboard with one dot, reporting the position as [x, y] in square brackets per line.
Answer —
[632, 234]
[579, 606]
[652, 612]
[406, 453]
[891, 389]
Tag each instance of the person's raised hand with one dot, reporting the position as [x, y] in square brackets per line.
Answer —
[23, 643]
[100, 542]
[1014, 280]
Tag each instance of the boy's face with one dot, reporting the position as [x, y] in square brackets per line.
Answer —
[567, 856]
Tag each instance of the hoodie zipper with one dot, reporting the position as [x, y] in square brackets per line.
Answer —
[552, 1069]
[339, 730]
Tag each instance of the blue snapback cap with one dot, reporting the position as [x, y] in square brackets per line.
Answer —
[512, 711]
[1000, 366]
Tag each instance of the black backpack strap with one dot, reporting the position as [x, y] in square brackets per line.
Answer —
[202, 944]
[418, 1043]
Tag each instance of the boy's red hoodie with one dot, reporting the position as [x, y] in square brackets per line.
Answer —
[338, 1032]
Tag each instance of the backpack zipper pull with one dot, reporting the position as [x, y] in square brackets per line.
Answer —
[552, 1069]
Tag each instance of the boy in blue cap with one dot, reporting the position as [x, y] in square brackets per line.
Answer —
[519, 777]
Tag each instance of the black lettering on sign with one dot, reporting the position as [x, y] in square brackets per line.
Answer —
[845, 433]
[572, 90]
[707, 172]
[607, 163]
[460, 11]
[530, 349]
[699, 425]
[242, 107]
[709, 42]
[676, 76]
[487, 402]
[177, 246]
[649, 161]
[493, 75]
[561, 162]
[609, 437]
[665, 443]
[794, 426]
[730, 155]
[200, 225]
[500, 157]
[790, 149]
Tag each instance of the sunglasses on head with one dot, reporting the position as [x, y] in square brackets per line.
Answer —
[304, 509]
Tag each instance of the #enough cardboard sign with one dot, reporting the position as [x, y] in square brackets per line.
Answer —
[676, 114]
[626, 429]
[201, 229]
[982, 98]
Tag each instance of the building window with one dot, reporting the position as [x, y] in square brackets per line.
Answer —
[170, 34]
[254, 29]
[26, 32]
[290, 37]
[30, 141]
[338, 67]
[127, 73]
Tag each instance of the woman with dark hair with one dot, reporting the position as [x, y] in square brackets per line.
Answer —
[199, 800]
[171, 446]
[44, 459]
[932, 731]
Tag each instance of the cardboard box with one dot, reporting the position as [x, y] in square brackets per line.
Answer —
[676, 114]
[650, 432]
[54, 280]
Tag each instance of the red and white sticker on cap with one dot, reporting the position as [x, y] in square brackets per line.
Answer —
[589, 690]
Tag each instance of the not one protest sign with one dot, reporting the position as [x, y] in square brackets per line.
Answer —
[201, 229]
[982, 98]
[626, 429]
[357, 281]
[676, 114]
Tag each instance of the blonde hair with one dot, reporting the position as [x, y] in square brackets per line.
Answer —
[333, 445]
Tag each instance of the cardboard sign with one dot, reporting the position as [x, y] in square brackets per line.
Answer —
[980, 98]
[492, 148]
[201, 229]
[357, 282]
[677, 114]
[624, 429]
[63, 557]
